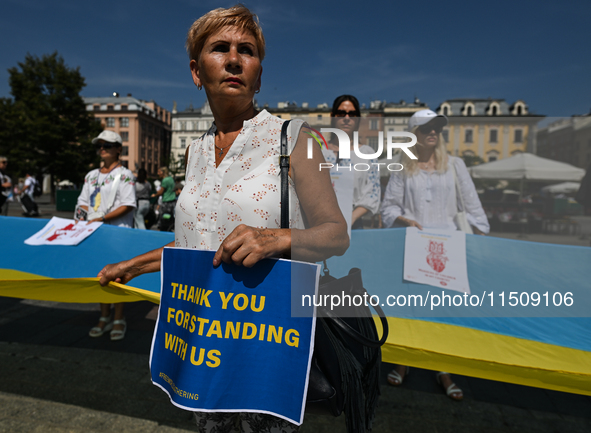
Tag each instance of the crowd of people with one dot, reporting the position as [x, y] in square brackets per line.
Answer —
[238, 159]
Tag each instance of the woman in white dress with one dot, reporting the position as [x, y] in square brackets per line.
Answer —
[108, 196]
[231, 200]
[365, 184]
[423, 195]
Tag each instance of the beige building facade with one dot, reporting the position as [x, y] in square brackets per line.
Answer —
[491, 129]
[144, 128]
[187, 125]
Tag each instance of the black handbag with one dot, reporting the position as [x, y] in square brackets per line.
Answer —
[345, 370]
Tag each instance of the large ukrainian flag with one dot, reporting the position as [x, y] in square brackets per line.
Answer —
[546, 352]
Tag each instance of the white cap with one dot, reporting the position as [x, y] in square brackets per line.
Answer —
[425, 116]
[110, 136]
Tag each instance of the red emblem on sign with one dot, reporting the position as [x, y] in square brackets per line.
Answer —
[61, 232]
[436, 257]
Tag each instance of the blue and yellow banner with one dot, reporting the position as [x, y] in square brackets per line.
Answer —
[225, 340]
[552, 350]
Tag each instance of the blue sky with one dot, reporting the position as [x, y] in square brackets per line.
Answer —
[520, 49]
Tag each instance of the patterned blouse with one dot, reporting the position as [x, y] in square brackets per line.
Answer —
[97, 188]
[244, 189]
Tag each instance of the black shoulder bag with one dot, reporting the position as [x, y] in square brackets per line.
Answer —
[345, 370]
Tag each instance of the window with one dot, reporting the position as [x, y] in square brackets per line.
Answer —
[124, 136]
[110, 122]
[189, 126]
[445, 111]
[97, 108]
[183, 126]
[493, 138]
[319, 117]
[494, 111]
[125, 164]
[125, 151]
[124, 122]
[373, 142]
[123, 107]
[183, 143]
[518, 136]
[468, 138]
[445, 134]
[373, 125]
[492, 158]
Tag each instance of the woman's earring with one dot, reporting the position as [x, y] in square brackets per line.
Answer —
[257, 91]
[199, 86]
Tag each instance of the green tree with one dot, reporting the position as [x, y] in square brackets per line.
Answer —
[48, 130]
[471, 160]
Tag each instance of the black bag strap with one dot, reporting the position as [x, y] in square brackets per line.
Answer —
[342, 325]
[284, 167]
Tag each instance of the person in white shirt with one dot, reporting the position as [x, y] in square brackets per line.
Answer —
[424, 195]
[108, 196]
[364, 185]
[28, 198]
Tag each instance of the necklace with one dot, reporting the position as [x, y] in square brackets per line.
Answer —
[221, 152]
[100, 182]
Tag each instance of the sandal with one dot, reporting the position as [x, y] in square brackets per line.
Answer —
[395, 379]
[452, 391]
[97, 331]
[119, 334]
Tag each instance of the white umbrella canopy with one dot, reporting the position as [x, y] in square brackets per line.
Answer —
[527, 166]
[562, 188]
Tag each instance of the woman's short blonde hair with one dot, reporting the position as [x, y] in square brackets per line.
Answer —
[410, 165]
[238, 16]
[164, 171]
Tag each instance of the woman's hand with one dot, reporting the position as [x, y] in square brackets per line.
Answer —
[247, 245]
[409, 223]
[120, 272]
[123, 272]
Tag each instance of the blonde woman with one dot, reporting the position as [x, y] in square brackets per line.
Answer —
[423, 195]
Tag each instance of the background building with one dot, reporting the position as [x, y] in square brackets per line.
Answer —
[488, 128]
[567, 140]
[187, 125]
[144, 128]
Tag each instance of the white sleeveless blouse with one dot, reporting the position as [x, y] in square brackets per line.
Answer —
[244, 189]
